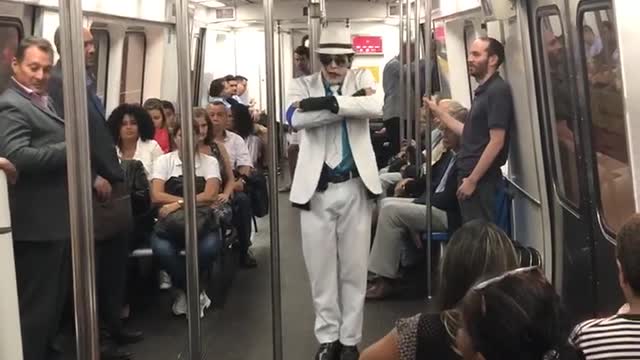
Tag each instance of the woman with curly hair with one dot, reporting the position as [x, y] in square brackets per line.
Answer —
[132, 130]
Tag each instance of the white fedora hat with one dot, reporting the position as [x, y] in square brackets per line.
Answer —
[335, 40]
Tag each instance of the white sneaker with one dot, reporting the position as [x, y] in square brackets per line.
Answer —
[164, 280]
[180, 304]
[205, 303]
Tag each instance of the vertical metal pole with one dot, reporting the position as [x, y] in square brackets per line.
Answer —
[276, 306]
[79, 179]
[407, 73]
[315, 14]
[401, 59]
[188, 172]
[280, 99]
[416, 84]
[427, 63]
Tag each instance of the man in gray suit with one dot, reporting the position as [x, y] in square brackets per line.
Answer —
[33, 140]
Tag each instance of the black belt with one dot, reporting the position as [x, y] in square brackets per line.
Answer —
[340, 178]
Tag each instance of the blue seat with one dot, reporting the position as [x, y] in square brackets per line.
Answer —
[502, 218]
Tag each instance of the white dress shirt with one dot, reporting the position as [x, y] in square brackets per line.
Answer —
[169, 165]
[237, 149]
[147, 152]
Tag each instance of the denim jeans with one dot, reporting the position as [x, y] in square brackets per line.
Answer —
[167, 251]
[242, 217]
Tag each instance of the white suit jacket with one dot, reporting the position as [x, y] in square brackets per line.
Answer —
[311, 125]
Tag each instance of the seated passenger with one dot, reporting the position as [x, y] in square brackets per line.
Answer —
[161, 135]
[391, 175]
[242, 167]
[168, 168]
[477, 250]
[619, 335]
[517, 315]
[133, 131]
[242, 124]
[399, 217]
[209, 146]
[169, 114]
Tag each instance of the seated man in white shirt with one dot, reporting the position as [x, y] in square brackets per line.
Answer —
[242, 166]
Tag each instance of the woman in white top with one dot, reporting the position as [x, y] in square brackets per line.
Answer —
[132, 130]
[167, 170]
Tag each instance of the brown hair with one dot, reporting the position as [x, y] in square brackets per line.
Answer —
[31, 41]
[628, 252]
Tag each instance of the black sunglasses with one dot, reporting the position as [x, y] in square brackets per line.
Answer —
[340, 60]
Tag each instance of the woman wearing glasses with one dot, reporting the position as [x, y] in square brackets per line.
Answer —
[476, 251]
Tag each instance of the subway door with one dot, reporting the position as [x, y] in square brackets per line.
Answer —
[564, 162]
[601, 95]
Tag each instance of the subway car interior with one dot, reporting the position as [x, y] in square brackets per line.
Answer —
[569, 183]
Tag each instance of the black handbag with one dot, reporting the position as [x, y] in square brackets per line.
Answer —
[172, 226]
[112, 217]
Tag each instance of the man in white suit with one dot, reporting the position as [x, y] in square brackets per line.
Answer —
[334, 183]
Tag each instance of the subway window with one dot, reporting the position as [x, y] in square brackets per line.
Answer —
[10, 33]
[442, 59]
[558, 106]
[601, 58]
[100, 66]
[133, 57]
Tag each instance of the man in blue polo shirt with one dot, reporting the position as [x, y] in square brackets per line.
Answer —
[485, 134]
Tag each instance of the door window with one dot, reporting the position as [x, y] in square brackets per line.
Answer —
[601, 59]
[558, 106]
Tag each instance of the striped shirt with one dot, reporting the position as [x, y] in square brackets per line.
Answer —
[616, 338]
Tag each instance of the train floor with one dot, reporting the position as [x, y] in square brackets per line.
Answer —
[240, 328]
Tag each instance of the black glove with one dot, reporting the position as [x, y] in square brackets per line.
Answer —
[361, 92]
[320, 103]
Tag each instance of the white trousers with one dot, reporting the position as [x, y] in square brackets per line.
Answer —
[336, 235]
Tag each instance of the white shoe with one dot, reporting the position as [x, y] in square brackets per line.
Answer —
[205, 303]
[180, 304]
[164, 280]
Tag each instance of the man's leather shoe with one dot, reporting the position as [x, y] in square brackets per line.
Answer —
[349, 353]
[127, 336]
[329, 351]
[110, 351]
[248, 261]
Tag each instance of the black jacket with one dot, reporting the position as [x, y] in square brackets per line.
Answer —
[104, 158]
[447, 199]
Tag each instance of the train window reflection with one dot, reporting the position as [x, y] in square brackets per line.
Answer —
[469, 37]
[133, 57]
[442, 60]
[9, 38]
[559, 108]
[604, 90]
[100, 69]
